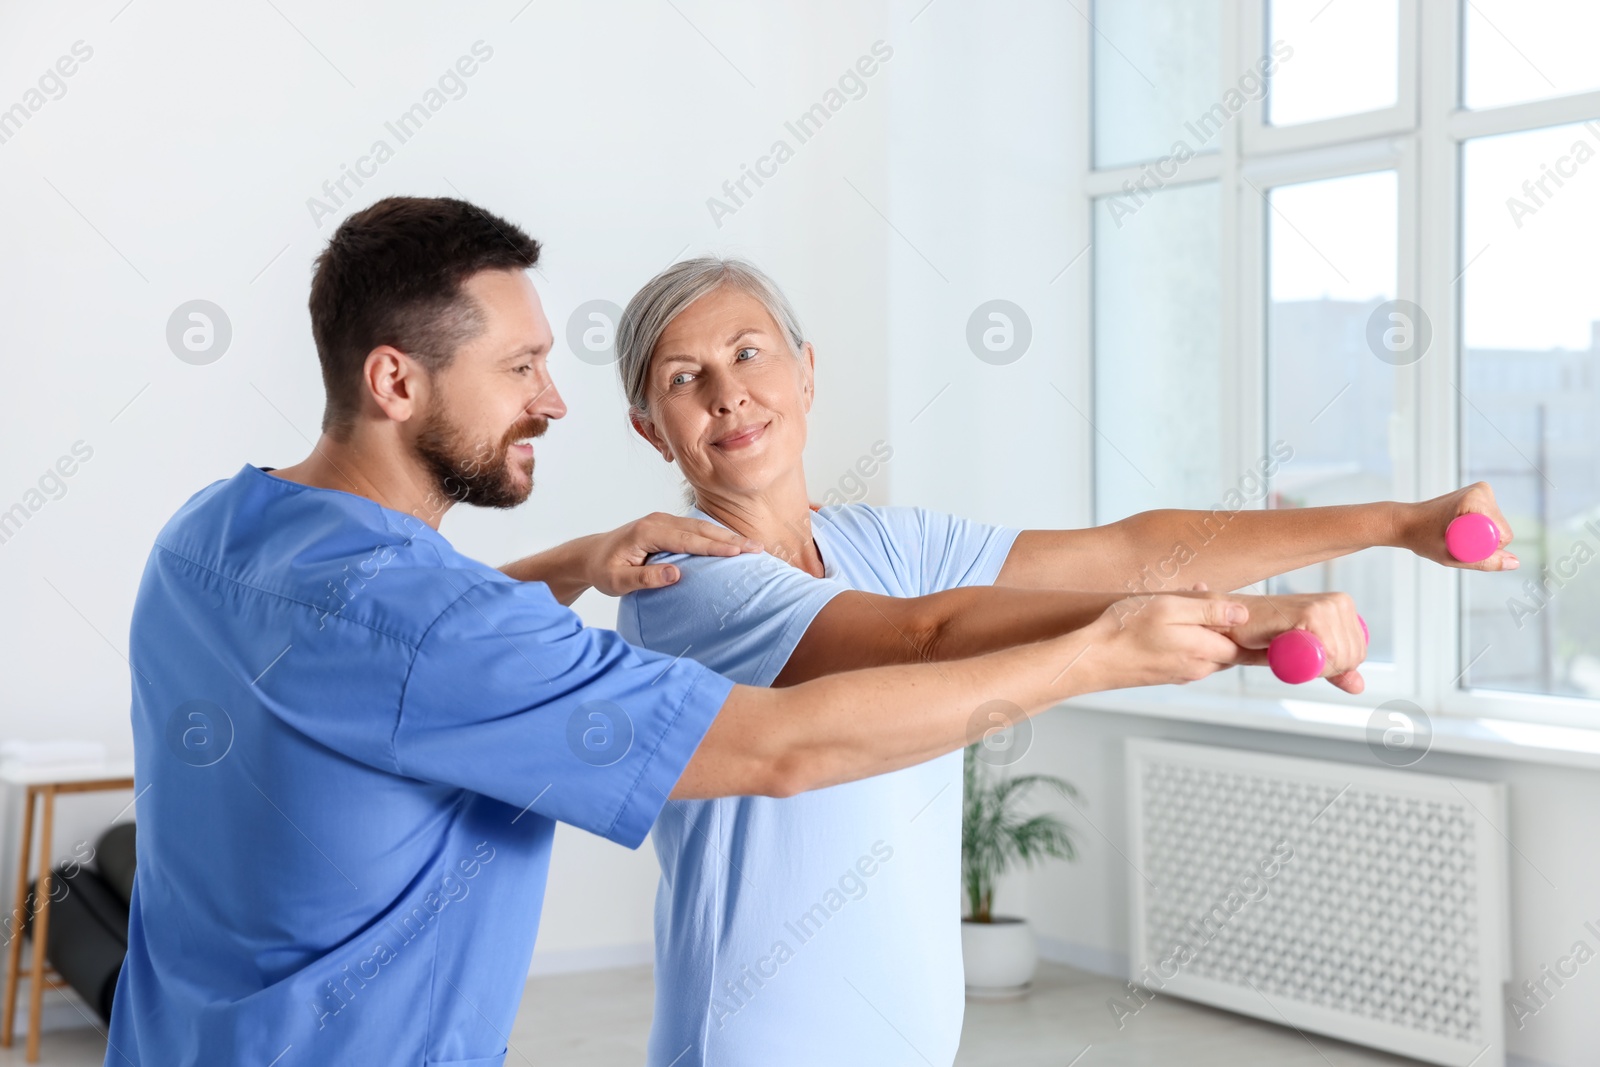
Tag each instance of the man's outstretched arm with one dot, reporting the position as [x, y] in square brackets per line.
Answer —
[857, 629]
[779, 742]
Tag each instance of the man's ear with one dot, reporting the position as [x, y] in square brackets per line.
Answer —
[395, 382]
[647, 430]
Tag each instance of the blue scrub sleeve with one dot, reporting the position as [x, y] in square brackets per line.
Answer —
[511, 696]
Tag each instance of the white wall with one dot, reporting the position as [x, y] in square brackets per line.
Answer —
[982, 156]
[178, 164]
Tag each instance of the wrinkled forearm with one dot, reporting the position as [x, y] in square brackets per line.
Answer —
[1169, 550]
[857, 630]
[1232, 550]
[979, 619]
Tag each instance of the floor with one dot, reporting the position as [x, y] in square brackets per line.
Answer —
[599, 1019]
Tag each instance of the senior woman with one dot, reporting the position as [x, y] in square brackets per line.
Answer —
[823, 928]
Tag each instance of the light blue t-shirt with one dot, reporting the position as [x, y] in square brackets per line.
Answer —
[822, 928]
[352, 745]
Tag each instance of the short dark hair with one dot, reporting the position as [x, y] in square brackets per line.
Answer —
[391, 275]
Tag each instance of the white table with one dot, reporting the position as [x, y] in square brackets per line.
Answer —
[45, 782]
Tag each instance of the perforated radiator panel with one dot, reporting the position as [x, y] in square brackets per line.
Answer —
[1364, 903]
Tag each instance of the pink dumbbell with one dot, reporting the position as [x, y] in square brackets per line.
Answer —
[1297, 656]
[1472, 538]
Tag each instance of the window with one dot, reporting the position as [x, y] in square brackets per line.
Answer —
[1530, 367]
[1168, 76]
[1157, 388]
[1516, 51]
[1363, 232]
[1332, 265]
[1346, 59]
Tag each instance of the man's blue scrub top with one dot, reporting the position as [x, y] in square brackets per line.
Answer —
[352, 746]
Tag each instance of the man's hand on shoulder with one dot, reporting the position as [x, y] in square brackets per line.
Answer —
[615, 562]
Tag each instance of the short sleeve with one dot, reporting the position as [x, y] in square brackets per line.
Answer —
[958, 552]
[511, 696]
[742, 616]
[929, 551]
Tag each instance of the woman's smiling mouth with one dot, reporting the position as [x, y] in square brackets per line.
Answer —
[742, 438]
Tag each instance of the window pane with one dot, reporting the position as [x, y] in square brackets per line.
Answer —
[1346, 58]
[1155, 69]
[1332, 262]
[1520, 50]
[1530, 422]
[1157, 388]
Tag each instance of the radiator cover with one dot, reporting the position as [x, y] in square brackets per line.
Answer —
[1385, 925]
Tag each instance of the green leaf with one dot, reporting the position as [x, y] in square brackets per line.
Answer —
[996, 836]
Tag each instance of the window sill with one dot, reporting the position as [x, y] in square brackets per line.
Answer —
[1564, 746]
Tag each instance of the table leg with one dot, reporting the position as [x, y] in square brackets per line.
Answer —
[8, 1011]
[41, 925]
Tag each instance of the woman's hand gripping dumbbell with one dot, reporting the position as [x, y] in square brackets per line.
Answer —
[1319, 635]
[1464, 529]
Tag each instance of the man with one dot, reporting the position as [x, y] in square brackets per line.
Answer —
[353, 743]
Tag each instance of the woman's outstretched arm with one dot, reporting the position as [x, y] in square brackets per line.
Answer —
[1170, 549]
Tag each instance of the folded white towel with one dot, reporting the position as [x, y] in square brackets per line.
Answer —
[51, 753]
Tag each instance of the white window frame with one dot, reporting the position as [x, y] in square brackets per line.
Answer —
[1258, 178]
[1447, 126]
[1400, 118]
[1421, 139]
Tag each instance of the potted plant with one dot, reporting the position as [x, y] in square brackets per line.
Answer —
[998, 950]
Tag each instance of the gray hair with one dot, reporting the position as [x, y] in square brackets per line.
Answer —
[669, 294]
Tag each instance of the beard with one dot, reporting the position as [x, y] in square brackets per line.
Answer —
[476, 472]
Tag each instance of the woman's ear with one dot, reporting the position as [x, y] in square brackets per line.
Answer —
[808, 369]
[646, 429]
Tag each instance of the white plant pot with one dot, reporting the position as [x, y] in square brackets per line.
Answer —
[999, 958]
